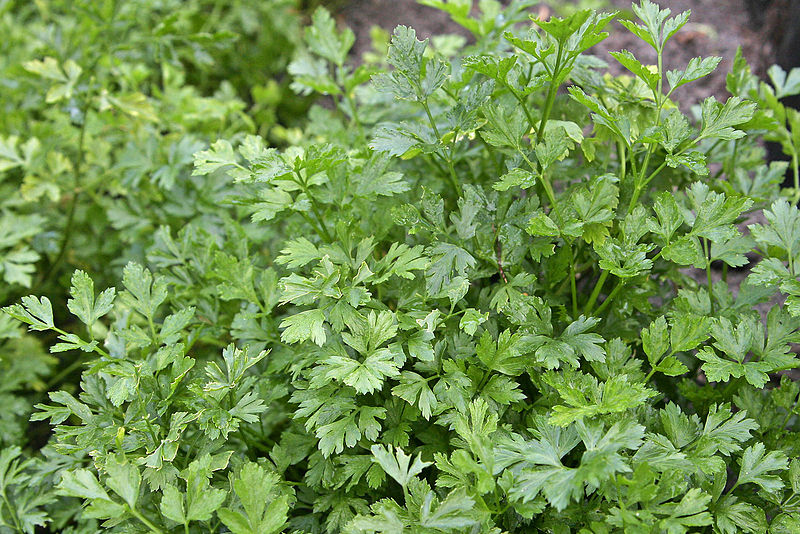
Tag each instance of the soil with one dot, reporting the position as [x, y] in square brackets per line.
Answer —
[715, 28]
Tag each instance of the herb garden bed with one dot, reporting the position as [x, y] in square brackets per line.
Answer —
[457, 294]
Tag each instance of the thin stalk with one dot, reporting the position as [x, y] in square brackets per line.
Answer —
[796, 169]
[149, 524]
[524, 105]
[311, 223]
[659, 98]
[587, 310]
[348, 97]
[610, 298]
[11, 511]
[732, 161]
[65, 372]
[152, 327]
[789, 413]
[322, 230]
[497, 165]
[551, 96]
[639, 184]
[76, 174]
[450, 167]
[548, 187]
[77, 167]
[318, 215]
[548, 108]
[653, 368]
[484, 380]
[708, 274]
[653, 174]
[573, 283]
[352, 103]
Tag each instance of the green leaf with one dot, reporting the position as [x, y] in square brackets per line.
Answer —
[447, 261]
[83, 484]
[505, 126]
[414, 77]
[696, 69]
[366, 376]
[414, 389]
[649, 76]
[172, 505]
[784, 85]
[719, 119]
[397, 464]
[144, 293]
[323, 39]
[657, 28]
[124, 479]
[542, 225]
[504, 356]
[309, 324]
[783, 230]
[471, 320]
[219, 156]
[83, 304]
[264, 503]
[687, 332]
[691, 511]
[35, 312]
[516, 177]
[588, 398]
[756, 464]
[732, 517]
[655, 340]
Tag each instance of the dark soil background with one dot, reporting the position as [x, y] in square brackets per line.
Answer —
[715, 28]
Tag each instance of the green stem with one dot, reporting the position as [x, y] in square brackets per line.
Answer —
[796, 169]
[406, 496]
[149, 524]
[352, 103]
[587, 310]
[524, 106]
[152, 327]
[484, 380]
[790, 412]
[708, 274]
[622, 161]
[66, 372]
[322, 230]
[551, 96]
[653, 368]
[572, 283]
[548, 107]
[317, 213]
[449, 160]
[610, 297]
[658, 97]
[11, 511]
[548, 187]
[639, 183]
[76, 174]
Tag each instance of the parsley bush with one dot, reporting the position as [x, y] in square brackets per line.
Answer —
[490, 288]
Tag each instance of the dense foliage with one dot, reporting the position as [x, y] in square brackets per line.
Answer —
[488, 287]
